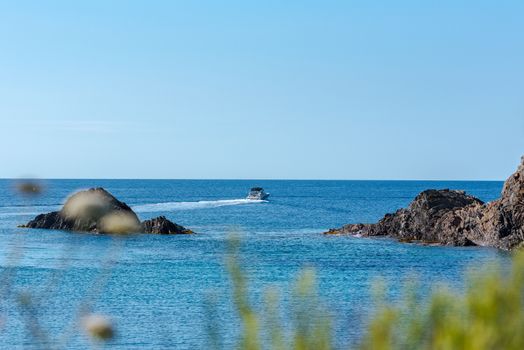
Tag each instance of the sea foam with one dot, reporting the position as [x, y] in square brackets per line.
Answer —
[13, 211]
[169, 206]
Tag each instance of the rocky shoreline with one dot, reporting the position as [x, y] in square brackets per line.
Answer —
[98, 211]
[449, 217]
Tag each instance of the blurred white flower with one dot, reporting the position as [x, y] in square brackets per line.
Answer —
[98, 326]
[86, 204]
[119, 222]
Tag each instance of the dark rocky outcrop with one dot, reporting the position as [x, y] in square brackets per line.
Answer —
[161, 225]
[83, 211]
[96, 210]
[451, 217]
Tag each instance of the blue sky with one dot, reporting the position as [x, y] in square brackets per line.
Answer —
[268, 89]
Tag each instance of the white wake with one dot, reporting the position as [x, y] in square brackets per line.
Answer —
[169, 206]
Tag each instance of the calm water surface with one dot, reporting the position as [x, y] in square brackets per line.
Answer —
[154, 287]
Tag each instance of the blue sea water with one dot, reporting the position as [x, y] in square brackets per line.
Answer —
[155, 287]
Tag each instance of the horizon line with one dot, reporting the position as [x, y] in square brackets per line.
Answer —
[244, 179]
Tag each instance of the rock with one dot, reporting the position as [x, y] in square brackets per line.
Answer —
[85, 211]
[51, 220]
[451, 217]
[161, 225]
[349, 229]
[96, 210]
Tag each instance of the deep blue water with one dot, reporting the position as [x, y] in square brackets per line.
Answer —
[154, 287]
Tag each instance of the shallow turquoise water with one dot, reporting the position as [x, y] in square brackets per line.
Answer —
[154, 287]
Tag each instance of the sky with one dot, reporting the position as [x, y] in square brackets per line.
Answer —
[261, 90]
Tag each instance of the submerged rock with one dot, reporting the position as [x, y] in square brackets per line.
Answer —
[96, 210]
[451, 217]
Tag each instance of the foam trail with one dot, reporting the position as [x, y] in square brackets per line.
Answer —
[169, 206]
[12, 211]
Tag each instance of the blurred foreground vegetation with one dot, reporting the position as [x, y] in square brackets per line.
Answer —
[488, 315]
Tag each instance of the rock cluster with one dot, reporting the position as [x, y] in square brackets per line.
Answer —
[451, 217]
[96, 210]
[161, 225]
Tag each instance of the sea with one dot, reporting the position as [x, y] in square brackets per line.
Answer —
[164, 291]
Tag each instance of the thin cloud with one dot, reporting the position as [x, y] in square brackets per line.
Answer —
[91, 126]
